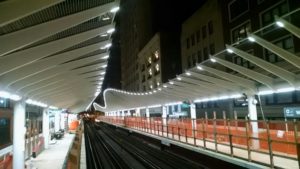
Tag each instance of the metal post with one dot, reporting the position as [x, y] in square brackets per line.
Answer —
[270, 146]
[230, 137]
[215, 132]
[247, 138]
[203, 133]
[296, 140]
[194, 133]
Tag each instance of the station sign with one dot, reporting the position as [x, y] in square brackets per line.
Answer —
[291, 112]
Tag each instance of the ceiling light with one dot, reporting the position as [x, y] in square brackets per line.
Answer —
[188, 73]
[104, 35]
[199, 67]
[104, 66]
[165, 86]
[280, 24]
[251, 39]
[4, 94]
[178, 78]
[159, 89]
[171, 82]
[101, 78]
[212, 60]
[105, 18]
[110, 30]
[229, 50]
[15, 97]
[105, 57]
[102, 73]
[115, 9]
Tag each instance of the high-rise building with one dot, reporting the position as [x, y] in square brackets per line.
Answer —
[159, 60]
[136, 28]
[202, 34]
[231, 22]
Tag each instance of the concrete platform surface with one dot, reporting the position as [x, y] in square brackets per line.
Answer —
[54, 156]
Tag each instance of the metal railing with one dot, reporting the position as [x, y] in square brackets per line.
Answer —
[264, 142]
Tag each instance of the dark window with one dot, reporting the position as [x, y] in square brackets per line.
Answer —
[199, 56]
[210, 27]
[268, 16]
[194, 59]
[193, 39]
[243, 62]
[238, 7]
[187, 43]
[203, 32]
[286, 43]
[198, 36]
[189, 61]
[240, 32]
[205, 53]
[4, 103]
[4, 132]
[212, 49]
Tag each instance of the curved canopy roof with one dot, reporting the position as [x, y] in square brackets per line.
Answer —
[222, 77]
[55, 52]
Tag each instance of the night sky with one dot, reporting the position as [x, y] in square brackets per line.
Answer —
[169, 15]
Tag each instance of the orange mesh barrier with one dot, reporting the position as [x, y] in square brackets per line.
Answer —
[281, 134]
[73, 125]
[7, 163]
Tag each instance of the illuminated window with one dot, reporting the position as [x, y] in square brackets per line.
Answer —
[157, 67]
[149, 60]
[156, 54]
[150, 72]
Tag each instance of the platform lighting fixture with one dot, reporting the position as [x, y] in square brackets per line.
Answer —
[146, 93]
[251, 39]
[213, 60]
[110, 30]
[159, 89]
[115, 9]
[188, 73]
[101, 78]
[53, 107]
[199, 68]
[229, 50]
[150, 92]
[15, 97]
[266, 92]
[282, 90]
[142, 94]
[165, 86]
[104, 66]
[105, 18]
[280, 24]
[178, 78]
[102, 73]
[171, 82]
[104, 35]
[154, 91]
[105, 57]
[4, 94]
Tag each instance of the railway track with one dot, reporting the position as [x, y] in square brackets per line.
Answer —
[108, 148]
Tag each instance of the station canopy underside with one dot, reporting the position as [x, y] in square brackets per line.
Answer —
[55, 52]
[229, 73]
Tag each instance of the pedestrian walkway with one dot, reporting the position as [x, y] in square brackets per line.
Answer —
[55, 155]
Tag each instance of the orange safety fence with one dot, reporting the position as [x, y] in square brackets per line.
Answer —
[73, 125]
[6, 163]
[279, 134]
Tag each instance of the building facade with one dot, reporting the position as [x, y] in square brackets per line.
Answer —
[159, 61]
[136, 28]
[218, 23]
[202, 34]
